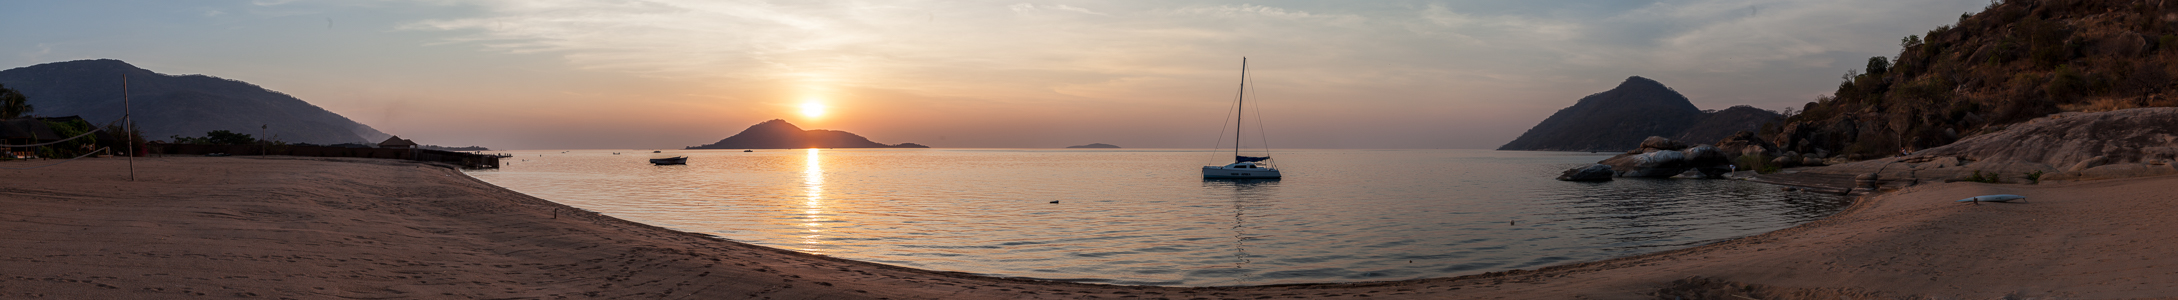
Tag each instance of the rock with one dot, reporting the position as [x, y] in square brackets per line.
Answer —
[2086, 164]
[1659, 164]
[2136, 135]
[1812, 161]
[1745, 143]
[1593, 172]
[1661, 143]
[1710, 162]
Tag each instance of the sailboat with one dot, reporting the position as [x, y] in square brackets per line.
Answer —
[1243, 167]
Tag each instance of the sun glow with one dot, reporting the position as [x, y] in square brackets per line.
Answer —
[812, 109]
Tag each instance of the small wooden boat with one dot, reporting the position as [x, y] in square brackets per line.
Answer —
[678, 160]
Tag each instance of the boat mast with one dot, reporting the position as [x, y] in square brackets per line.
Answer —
[1239, 111]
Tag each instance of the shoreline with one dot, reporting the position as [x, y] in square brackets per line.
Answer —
[309, 227]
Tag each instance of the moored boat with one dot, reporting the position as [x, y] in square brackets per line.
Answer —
[1243, 167]
[678, 160]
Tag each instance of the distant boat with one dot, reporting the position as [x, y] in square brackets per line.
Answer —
[678, 160]
[1243, 167]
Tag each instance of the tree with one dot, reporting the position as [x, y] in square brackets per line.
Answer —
[1878, 65]
[217, 137]
[13, 104]
[223, 137]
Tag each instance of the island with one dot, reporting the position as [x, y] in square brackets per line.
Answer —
[1094, 146]
[778, 134]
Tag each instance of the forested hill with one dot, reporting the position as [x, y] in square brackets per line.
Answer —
[2011, 62]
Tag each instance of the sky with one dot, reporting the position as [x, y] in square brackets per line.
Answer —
[642, 74]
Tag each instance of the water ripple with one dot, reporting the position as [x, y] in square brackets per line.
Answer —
[1144, 217]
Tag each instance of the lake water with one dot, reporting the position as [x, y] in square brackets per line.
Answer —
[1146, 217]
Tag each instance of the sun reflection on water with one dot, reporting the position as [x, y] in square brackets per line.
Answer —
[813, 201]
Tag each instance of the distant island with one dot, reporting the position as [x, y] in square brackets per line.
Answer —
[446, 148]
[1638, 108]
[778, 134]
[1095, 145]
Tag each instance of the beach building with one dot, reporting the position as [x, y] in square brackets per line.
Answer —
[24, 131]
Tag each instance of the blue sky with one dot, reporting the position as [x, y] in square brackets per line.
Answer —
[1035, 74]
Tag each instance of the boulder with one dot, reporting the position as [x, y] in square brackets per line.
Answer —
[1745, 143]
[1708, 161]
[1786, 161]
[1659, 164]
[1593, 172]
[1661, 143]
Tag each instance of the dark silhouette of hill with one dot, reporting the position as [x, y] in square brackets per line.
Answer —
[1717, 125]
[1095, 145]
[778, 134]
[184, 105]
[1613, 120]
[2014, 61]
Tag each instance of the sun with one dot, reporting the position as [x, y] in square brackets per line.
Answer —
[812, 109]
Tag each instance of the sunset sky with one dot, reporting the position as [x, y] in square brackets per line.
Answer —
[571, 74]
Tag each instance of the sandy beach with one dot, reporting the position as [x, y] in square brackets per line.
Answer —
[307, 228]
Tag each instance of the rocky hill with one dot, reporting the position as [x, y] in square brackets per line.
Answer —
[1717, 125]
[186, 105]
[2014, 61]
[1619, 119]
[778, 134]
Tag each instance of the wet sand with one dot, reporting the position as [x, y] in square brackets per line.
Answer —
[312, 228]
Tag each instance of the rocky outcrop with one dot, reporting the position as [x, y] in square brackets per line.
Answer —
[2070, 146]
[778, 134]
[1654, 164]
[2123, 136]
[1659, 157]
[1593, 172]
[1745, 143]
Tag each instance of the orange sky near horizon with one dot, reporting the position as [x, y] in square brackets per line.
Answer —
[645, 74]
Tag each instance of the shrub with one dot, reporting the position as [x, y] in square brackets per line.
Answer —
[1978, 177]
[2066, 84]
[2034, 177]
[1759, 163]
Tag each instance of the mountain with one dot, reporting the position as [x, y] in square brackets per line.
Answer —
[1613, 120]
[2013, 61]
[1095, 145]
[778, 134]
[1717, 125]
[186, 105]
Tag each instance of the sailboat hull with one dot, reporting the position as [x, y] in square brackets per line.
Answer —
[1239, 173]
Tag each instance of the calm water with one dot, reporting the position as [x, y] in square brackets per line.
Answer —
[1146, 217]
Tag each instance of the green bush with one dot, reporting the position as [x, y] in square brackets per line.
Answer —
[1978, 177]
[2034, 177]
[71, 148]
